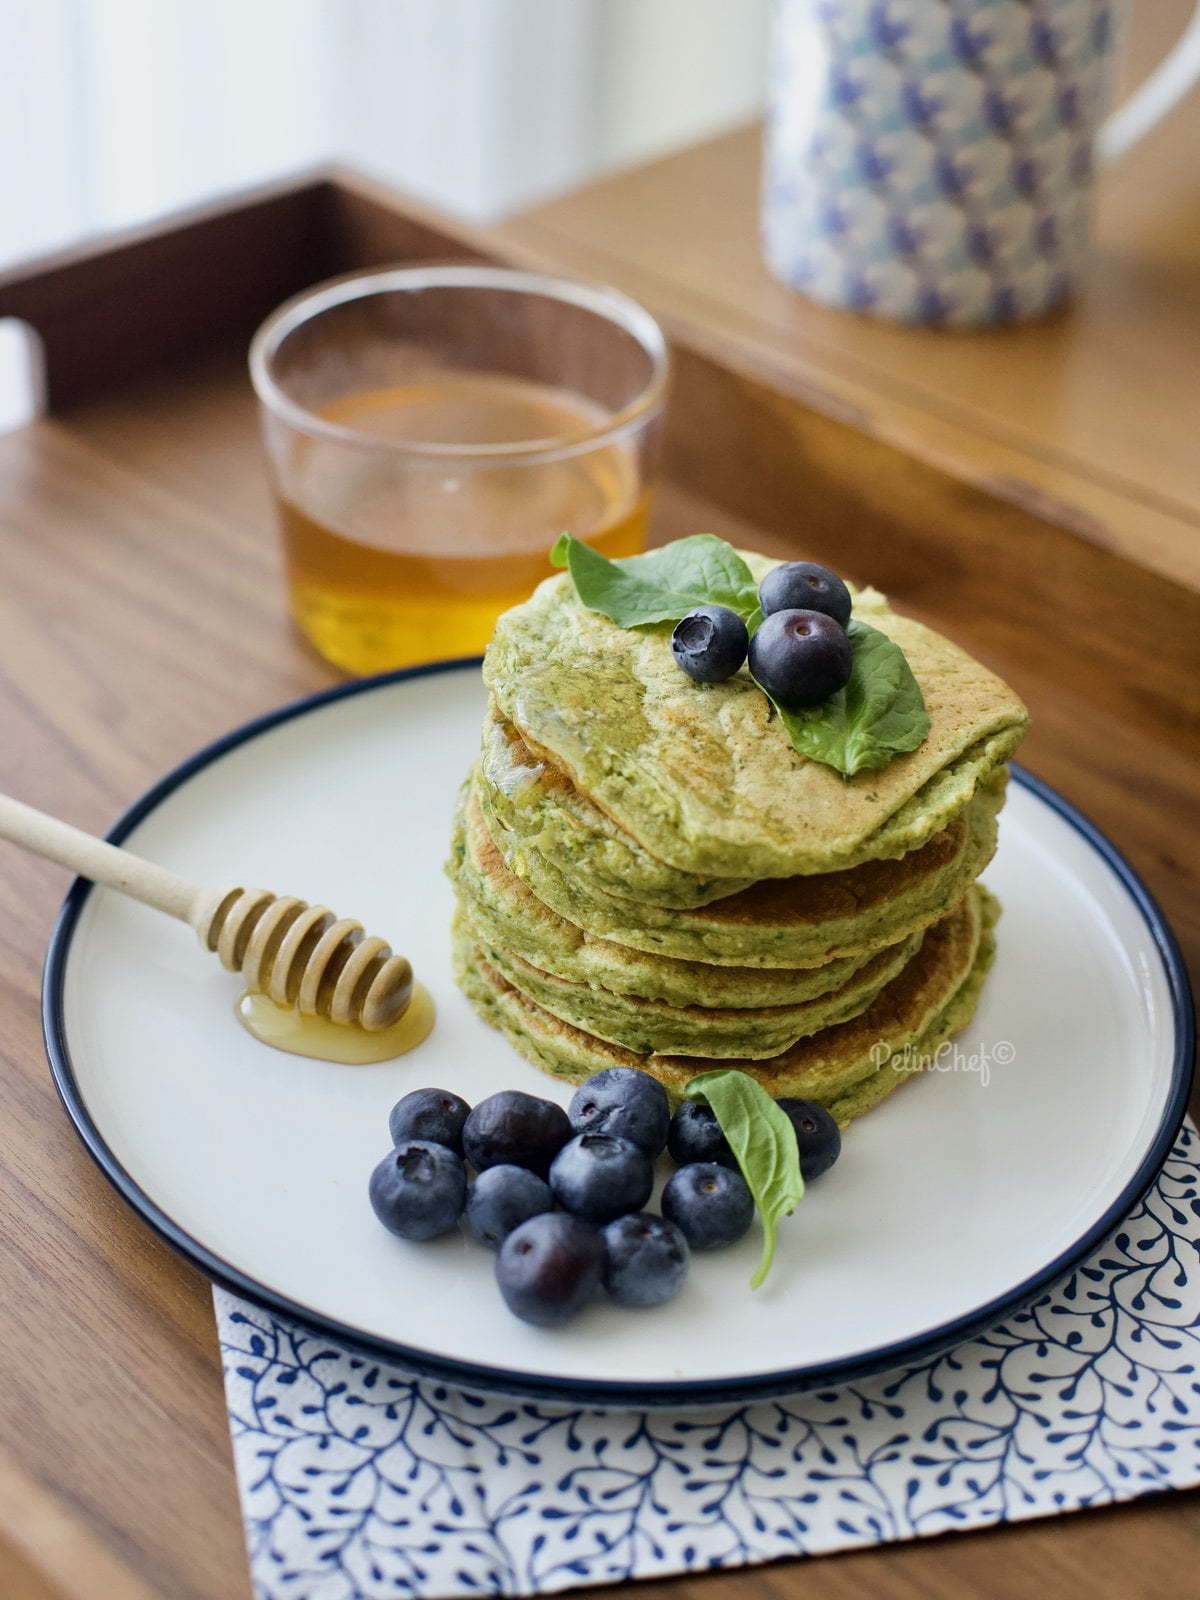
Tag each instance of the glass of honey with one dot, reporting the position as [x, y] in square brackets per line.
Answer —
[431, 430]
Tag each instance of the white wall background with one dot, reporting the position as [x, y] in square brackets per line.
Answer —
[115, 111]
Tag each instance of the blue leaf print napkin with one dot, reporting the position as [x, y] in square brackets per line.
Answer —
[359, 1482]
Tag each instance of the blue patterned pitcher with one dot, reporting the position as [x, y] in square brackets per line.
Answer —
[930, 160]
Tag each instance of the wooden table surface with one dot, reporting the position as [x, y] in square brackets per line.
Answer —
[141, 614]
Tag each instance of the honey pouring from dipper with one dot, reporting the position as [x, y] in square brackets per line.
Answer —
[316, 984]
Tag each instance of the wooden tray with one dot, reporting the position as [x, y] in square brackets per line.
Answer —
[142, 613]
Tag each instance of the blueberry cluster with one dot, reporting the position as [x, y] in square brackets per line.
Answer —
[561, 1195]
[800, 653]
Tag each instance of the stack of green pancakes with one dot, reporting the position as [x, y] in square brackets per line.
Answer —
[648, 873]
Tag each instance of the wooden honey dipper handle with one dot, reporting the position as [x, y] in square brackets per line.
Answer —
[96, 859]
[299, 955]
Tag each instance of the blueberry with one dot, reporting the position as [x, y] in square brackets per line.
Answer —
[515, 1129]
[817, 1135]
[624, 1102]
[418, 1189]
[598, 1177]
[710, 643]
[800, 658]
[501, 1199]
[433, 1114]
[549, 1268]
[646, 1259]
[695, 1135]
[710, 1205]
[804, 586]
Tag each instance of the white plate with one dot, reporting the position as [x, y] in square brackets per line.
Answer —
[953, 1202]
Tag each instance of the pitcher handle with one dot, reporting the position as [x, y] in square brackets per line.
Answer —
[1175, 74]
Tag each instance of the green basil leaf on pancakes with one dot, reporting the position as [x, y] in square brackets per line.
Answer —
[662, 585]
[879, 714]
[764, 1142]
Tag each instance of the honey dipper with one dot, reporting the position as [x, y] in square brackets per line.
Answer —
[299, 956]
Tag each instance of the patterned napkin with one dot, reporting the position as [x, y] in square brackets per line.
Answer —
[358, 1482]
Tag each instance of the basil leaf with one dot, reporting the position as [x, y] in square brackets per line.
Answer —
[879, 714]
[764, 1142]
[662, 585]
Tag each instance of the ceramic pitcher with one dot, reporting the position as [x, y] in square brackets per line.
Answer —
[931, 161]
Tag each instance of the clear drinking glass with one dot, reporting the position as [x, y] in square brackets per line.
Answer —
[431, 430]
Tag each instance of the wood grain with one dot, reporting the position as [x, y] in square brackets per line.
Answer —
[141, 614]
[48, 1554]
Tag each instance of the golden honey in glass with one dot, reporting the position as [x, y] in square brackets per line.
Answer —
[431, 431]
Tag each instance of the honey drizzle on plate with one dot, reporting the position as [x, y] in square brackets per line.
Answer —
[286, 1029]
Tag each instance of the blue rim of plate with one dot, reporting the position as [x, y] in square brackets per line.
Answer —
[683, 1393]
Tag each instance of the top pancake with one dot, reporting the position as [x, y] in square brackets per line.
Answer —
[703, 776]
